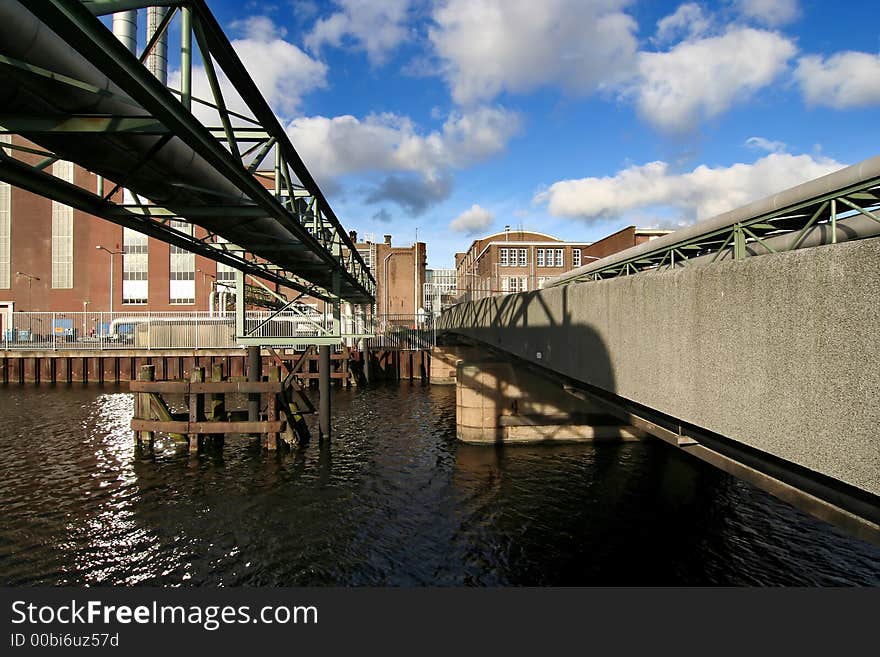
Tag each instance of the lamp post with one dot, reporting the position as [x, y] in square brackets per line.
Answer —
[30, 279]
[112, 253]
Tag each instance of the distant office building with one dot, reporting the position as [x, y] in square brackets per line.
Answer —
[399, 272]
[514, 261]
[441, 290]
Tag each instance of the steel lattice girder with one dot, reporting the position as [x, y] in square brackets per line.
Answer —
[843, 202]
[294, 230]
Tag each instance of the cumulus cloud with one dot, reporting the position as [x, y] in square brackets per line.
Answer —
[413, 193]
[768, 145]
[701, 78]
[844, 80]
[375, 27]
[769, 12]
[472, 221]
[697, 194]
[492, 46]
[687, 21]
[389, 142]
[282, 72]
[417, 165]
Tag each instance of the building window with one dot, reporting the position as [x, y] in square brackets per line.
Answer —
[541, 281]
[539, 257]
[134, 267]
[558, 255]
[523, 258]
[5, 225]
[514, 284]
[575, 257]
[505, 257]
[62, 232]
[182, 275]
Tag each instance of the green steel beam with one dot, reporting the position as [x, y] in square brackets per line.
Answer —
[75, 24]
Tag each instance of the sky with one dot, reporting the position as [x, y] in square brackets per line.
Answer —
[450, 119]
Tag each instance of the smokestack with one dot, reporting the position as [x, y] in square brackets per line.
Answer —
[125, 28]
[353, 236]
[388, 240]
[157, 60]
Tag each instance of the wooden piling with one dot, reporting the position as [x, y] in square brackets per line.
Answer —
[274, 376]
[196, 408]
[142, 406]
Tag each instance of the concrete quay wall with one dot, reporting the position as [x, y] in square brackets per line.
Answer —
[781, 353]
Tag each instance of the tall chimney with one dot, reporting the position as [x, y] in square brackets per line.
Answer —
[388, 240]
[157, 60]
[353, 236]
[125, 28]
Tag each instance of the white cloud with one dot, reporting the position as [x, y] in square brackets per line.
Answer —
[377, 27]
[472, 221]
[698, 194]
[770, 12]
[687, 21]
[282, 72]
[702, 78]
[392, 144]
[388, 142]
[492, 46]
[768, 145]
[846, 79]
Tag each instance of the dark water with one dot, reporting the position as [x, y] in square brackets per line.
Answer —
[394, 501]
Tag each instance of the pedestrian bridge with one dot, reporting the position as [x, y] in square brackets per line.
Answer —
[765, 366]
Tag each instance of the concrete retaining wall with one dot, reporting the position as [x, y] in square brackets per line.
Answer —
[780, 352]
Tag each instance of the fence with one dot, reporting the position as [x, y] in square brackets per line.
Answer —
[402, 332]
[201, 330]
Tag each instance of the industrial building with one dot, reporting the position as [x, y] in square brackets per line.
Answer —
[522, 261]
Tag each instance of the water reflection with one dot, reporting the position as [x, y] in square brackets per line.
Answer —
[393, 500]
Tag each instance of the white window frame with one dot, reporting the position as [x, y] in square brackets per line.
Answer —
[575, 257]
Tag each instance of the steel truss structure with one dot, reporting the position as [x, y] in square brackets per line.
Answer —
[74, 92]
[841, 206]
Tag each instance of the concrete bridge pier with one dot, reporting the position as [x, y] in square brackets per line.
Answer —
[498, 402]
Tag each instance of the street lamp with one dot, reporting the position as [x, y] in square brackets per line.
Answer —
[30, 278]
[112, 253]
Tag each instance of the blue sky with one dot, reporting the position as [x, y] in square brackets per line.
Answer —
[572, 117]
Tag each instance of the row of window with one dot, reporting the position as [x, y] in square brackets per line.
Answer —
[516, 257]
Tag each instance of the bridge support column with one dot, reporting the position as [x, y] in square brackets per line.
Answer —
[444, 360]
[324, 391]
[254, 373]
[500, 402]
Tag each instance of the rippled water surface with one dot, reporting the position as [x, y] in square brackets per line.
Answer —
[395, 500]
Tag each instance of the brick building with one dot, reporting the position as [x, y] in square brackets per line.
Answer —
[50, 260]
[399, 272]
[514, 261]
[521, 261]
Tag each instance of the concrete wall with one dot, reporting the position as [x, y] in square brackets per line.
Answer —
[779, 352]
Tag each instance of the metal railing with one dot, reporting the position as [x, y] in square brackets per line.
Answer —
[66, 331]
[402, 332]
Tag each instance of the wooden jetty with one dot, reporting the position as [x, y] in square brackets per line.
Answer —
[279, 420]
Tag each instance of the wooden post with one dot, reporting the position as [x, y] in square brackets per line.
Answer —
[272, 408]
[196, 407]
[324, 391]
[142, 406]
[216, 409]
[254, 373]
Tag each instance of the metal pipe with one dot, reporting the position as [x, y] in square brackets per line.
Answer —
[157, 60]
[254, 374]
[324, 390]
[125, 29]
[186, 57]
